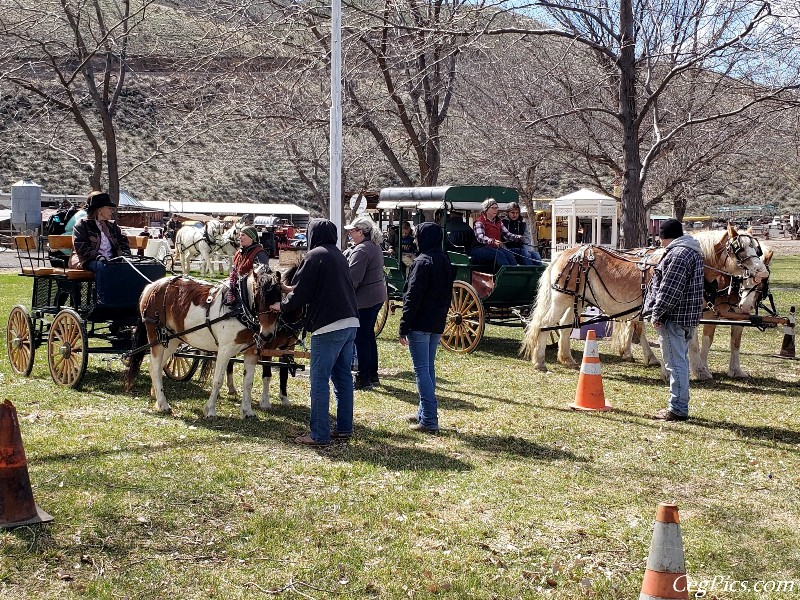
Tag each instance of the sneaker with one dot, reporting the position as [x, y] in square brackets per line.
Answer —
[667, 415]
[412, 418]
[422, 429]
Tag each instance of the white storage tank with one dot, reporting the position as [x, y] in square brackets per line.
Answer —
[26, 205]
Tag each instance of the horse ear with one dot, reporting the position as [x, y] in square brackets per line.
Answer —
[731, 231]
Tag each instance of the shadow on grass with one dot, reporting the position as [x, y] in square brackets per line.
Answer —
[752, 432]
[720, 383]
[518, 446]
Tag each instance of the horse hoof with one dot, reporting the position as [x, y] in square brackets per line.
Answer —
[250, 415]
[541, 368]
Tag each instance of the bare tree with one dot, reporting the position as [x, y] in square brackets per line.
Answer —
[649, 61]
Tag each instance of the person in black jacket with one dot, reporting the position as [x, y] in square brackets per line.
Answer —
[426, 300]
[323, 287]
[97, 239]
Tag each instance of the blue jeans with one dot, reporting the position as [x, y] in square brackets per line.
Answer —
[98, 267]
[493, 256]
[422, 346]
[366, 345]
[525, 255]
[331, 357]
[675, 350]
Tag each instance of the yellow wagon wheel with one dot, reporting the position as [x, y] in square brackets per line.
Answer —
[466, 320]
[383, 316]
[67, 348]
[20, 345]
[181, 368]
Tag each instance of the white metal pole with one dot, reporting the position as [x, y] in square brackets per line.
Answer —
[335, 200]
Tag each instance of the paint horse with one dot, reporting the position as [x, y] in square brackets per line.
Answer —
[614, 283]
[182, 310]
[192, 241]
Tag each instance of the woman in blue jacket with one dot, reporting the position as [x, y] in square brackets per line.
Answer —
[426, 300]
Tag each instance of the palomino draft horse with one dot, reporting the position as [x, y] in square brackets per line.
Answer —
[727, 295]
[614, 283]
[181, 310]
[192, 241]
[742, 301]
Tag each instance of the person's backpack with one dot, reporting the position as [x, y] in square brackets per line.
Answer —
[57, 223]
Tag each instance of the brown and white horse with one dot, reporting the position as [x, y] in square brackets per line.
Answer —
[181, 310]
[613, 282]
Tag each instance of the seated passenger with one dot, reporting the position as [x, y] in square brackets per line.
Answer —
[96, 239]
[490, 238]
[408, 247]
[515, 224]
[459, 236]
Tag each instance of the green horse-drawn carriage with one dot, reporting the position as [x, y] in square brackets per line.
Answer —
[481, 294]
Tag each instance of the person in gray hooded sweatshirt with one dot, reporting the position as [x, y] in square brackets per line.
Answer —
[674, 301]
[323, 288]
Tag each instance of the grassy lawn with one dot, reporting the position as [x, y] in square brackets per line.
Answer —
[518, 498]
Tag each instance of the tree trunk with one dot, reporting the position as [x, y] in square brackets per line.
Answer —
[633, 213]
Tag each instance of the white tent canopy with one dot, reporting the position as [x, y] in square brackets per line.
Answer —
[585, 203]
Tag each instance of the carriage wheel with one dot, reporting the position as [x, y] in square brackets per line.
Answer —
[180, 368]
[19, 341]
[383, 316]
[466, 320]
[67, 348]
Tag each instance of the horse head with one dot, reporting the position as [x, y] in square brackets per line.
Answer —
[752, 289]
[266, 290]
[745, 250]
[213, 230]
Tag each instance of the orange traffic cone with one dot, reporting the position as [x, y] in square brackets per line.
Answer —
[589, 395]
[787, 347]
[17, 507]
[665, 576]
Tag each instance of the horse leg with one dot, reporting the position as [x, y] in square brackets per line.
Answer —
[266, 379]
[699, 366]
[232, 393]
[649, 357]
[210, 409]
[158, 358]
[734, 367]
[623, 338]
[250, 361]
[564, 349]
[284, 378]
[696, 367]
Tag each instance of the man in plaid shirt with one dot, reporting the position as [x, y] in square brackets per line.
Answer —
[675, 302]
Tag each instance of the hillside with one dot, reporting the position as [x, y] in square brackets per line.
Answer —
[238, 158]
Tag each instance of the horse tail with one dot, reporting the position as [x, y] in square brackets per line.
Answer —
[136, 360]
[544, 299]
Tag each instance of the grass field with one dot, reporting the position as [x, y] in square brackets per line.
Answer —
[517, 498]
